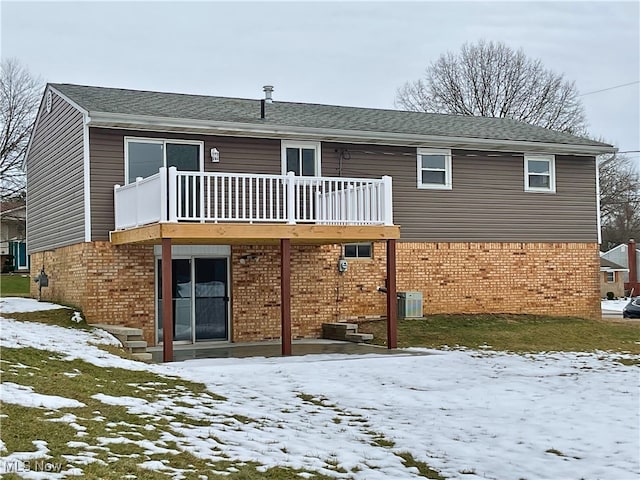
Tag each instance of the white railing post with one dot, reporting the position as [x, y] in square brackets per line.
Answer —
[137, 197]
[172, 194]
[163, 194]
[352, 203]
[319, 213]
[116, 208]
[201, 195]
[290, 188]
[387, 200]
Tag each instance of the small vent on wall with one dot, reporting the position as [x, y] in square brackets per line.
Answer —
[49, 101]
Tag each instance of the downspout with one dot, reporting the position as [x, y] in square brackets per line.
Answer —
[87, 178]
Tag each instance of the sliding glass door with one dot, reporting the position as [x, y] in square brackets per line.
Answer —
[200, 299]
[212, 300]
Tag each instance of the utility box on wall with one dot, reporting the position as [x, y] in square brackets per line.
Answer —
[410, 304]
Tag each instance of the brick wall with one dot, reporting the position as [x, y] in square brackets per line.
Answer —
[115, 284]
[109, 283]
[319, 293]
[538, 278]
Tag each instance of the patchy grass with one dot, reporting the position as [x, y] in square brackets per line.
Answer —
[107, 434]
[103, 440]
[515, 333]
[59, 316]
[14, 285]
[555, 452]
[319, 402]
[422, 467]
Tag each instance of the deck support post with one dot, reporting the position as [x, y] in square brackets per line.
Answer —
[392, 301]
[285, 294]
[167, 301]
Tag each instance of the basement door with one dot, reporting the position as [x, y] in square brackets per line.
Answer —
[200, 299]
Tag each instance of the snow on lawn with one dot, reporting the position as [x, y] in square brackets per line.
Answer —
[494, 414]
[17, 304]
[25, 396]
[468, 414]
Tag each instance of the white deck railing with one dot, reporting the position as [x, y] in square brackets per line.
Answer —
[234, 197]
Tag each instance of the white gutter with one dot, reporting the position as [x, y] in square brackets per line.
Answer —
[144, 122]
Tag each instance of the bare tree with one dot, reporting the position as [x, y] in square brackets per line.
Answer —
[19, 100]
[619, 200]
[491, 80]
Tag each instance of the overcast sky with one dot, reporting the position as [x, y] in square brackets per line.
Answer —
[326, 52]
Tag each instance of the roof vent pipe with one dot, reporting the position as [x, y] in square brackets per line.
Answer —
[268, 91]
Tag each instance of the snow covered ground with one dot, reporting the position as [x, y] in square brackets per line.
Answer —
[468, 414]
[17, 304]
[614, 305]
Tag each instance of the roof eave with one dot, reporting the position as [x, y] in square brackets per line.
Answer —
[240, 129]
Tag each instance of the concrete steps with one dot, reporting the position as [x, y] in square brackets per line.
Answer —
[345, 332]
[130, 338]
[359, 337]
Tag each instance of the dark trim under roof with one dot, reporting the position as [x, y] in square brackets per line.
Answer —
[128, 108]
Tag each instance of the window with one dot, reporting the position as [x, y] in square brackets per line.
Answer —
[611, 277]
[358, 250]
[539, 173]
[301, 158]
[144, 156]
[434, 169]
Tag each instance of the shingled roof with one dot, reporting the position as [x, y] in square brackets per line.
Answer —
[312, 116]
[609, 265]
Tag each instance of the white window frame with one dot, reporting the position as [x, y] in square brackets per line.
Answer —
[159, 141]
[552, 173]
[447, 170]
[284, 144]
[610, 276]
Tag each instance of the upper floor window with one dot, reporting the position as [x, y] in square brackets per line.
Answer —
[539, 173]
[434, 168]
[611, 277]
[301, 158]
[143, 157]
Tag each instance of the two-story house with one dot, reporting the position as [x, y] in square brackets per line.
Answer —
[230, 218]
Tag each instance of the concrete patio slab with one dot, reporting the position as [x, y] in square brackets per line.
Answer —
[270, 349]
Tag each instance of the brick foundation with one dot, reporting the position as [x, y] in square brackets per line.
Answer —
[115, 284]
[319, 293]
[538, 278]
[110, 284]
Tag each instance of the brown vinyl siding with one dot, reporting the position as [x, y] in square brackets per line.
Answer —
[55, 179]
[487, 202]
[238, 155]
[106, 156]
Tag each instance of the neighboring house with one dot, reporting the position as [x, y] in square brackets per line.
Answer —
[611, 278]
[13, 247]
[477, 214]
[621, 255]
